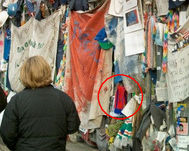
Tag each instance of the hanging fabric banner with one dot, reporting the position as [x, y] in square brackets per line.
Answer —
[87, 66]
[31, 39]
[178, 64]
[129, 65]
[178, 75]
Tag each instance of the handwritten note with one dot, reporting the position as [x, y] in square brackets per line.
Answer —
[182, 141]
[178, 75]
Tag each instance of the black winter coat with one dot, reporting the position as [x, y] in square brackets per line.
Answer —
[39, 120]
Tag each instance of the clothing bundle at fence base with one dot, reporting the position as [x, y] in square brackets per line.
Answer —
[123, 134]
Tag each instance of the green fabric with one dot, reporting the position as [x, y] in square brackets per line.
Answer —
[123, 127]
[126, 127]
[105, 45]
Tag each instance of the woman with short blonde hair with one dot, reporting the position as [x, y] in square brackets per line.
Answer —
[40, 117]
[35, 72]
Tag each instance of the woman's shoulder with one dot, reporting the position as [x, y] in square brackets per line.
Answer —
[63, 95]
[57, 90]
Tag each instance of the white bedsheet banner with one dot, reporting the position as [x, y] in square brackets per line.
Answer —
[33, 38]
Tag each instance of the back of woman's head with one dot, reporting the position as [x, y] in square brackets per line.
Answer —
[35, 72]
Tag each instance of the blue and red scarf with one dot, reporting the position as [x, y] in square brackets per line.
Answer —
[120, 99]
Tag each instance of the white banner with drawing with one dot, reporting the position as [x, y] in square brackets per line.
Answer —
[33, 38]
[178, 75]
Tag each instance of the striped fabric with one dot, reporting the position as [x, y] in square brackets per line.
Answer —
[126, 129]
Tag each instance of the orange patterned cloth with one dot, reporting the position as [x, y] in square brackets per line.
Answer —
[85, 55]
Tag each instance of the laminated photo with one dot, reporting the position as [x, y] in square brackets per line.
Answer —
[182, 127]
[132, 20]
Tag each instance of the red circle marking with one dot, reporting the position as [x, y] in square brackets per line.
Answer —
[131, 79]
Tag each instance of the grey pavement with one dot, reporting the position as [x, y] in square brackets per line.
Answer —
[79, 147]
[69, 147]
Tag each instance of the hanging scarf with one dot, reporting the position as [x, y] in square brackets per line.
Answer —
[59, 82]
[165, 49]
[151, 37]
[173, 21]
[172, 26]
[124, 135]
[120, 99]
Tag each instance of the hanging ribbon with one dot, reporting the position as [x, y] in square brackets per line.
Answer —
[172, 26]
[176, 21]
[170, 18]
[151, 37]
[173, 23]
[59, 81]
[165, 49]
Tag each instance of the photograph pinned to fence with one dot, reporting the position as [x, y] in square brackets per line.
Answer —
[132, 21]
[182, 127]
